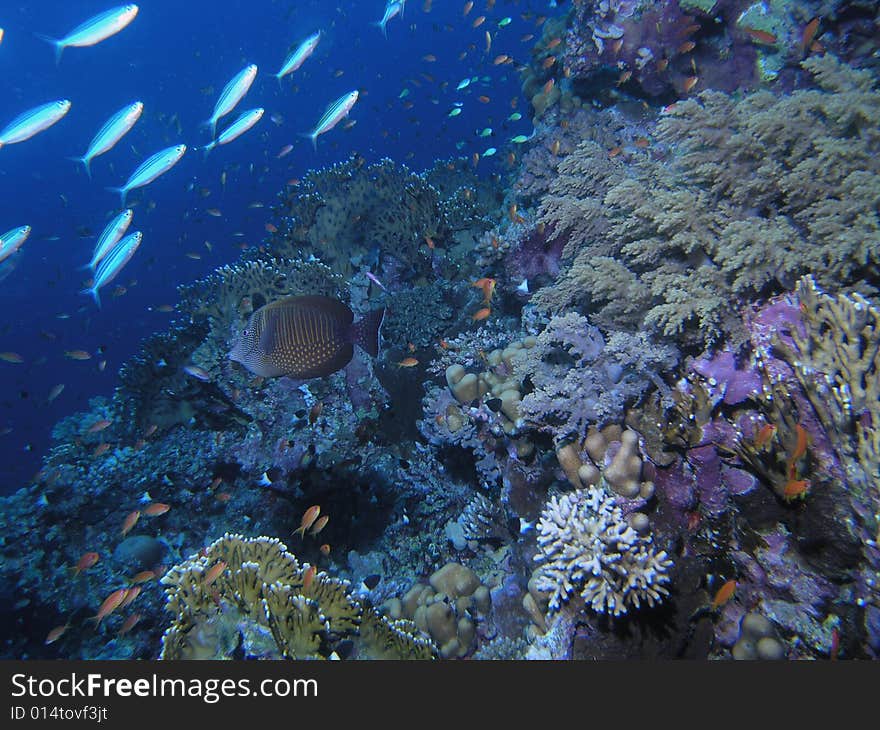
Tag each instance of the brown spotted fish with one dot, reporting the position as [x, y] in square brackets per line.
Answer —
[305, 337]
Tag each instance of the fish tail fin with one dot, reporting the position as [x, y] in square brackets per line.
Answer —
[57, 44]
[123, 192]
[210, 124]
[86, 162]
[93, 290]
[86, 266]
[312, 136]
[365, 333]
[379, 24]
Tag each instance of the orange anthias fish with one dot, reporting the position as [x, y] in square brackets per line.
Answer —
[481, 314]
[809, 35]
[77, 355]
[129, 624]
[765, 433]
[308, 519]
[325, 549]
[214, 572]
[408, 362]
[795, 488]
[99, 425]
[724, 594]
[111, 603]
[56, 634]
[488, 286]
[156, 509]
[85, 562]
[309, 577]
[130, 522]
[129, 597]
[801, 446]
[145, 576]
[319, 525]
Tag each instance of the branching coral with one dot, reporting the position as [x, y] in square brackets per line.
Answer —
[240, 588]
[759, 191]
[585, 545]
[579, 379]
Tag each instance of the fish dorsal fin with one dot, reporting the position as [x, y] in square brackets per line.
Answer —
[336, 309]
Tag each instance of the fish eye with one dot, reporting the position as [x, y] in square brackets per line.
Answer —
[244, 333]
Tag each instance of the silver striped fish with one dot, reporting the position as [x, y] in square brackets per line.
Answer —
[109, 237]
[95, 29]
[241, 125]
[391, 9]
[13, 240]
[232, 93]
[113, 263]
[113, 130]
[26, 125]
[298, 57]
[335, 113]
[150, 169]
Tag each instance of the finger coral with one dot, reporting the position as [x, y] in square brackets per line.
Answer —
[586, 545]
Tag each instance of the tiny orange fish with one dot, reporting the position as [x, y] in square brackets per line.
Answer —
[308, 519]
[724, 594]
[614, 151]
[795, 488]
[616, 46]
[130, 595]
[761, 36]
[467, 7]
[111, 603]
[801, 446]
[765, 433]
[553, 43]
[689, 83]
[315, 412]
[429, 57]
[478, 21]
[270, 228]
[86, 561]
[56, 634]
[11, 357]
[130, 522]
[215, 482]
[319, 525]
[151, 430]
[145, 576]
[156, 509]
[662, 64]
[548, 62]
[501, 58]
[809, 35]
[548, 87]
[223, 497]
[102, 448]
[214, 572]
[325, 549]
[555, 147]
[481, 314]
[430, 242]
[642, 142]
[99, 426]
[483, 99]
[309, 577]
[129, 624]
[624, 77]
[687, 47]
[408, 362]
[77, 355]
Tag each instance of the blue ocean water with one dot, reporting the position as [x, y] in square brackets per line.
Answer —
[176, 57]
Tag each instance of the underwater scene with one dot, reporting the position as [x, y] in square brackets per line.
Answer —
[498, 329]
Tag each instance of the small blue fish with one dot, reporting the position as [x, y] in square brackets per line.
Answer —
[110, 236]
[391, 9]
[35, 120]
[113, 130]
[298, 57]
[335, 113]
[13, 240]
[150, 169]
[113, 263]
[232, 93]
[94, 30]
[241, 125]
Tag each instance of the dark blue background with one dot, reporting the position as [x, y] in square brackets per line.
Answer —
[170, 57]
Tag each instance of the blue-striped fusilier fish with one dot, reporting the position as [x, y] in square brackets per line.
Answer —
[232, 93]
[335, 113]
[111, 234]
[13, 240]
[113, 130]
[95, 29]
[241, 125]
[391, 9]
[26, 125]
[150, 169]
[298, 57]
[113, 263]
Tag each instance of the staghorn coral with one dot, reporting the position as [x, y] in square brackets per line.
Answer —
[239, 591]
[758, 191]
[586, 545]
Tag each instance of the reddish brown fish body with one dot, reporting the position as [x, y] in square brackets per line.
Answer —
[305, 337]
